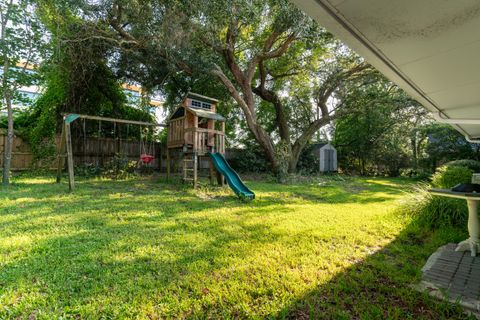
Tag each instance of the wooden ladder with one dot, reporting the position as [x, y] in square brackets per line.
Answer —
[190, 166]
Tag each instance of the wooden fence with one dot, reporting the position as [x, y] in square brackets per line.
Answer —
[96, 151]
[22, 157]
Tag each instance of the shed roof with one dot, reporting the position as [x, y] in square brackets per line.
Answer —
[320, 145]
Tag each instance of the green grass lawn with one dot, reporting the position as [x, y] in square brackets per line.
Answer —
[330, 248]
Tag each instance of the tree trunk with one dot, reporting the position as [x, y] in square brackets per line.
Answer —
[7, 152]
[414, 145]
[293, 161]
[247, 104]
[302, 141]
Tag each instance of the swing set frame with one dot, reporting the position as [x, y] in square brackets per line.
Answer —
[65, 150]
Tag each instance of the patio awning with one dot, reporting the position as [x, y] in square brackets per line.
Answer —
[430, 48]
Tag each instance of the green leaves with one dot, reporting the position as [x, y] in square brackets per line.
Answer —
[378, 133]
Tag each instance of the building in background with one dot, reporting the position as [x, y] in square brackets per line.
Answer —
[133, 93]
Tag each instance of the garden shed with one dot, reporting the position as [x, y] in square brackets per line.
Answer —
[327, 155]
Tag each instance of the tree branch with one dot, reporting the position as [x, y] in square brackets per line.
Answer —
[217, 71]
[272, 97]
[267, 53]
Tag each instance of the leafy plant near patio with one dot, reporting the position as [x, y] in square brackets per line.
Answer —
[143, 249]
[435, 212]
[447, 177]
[473, 165]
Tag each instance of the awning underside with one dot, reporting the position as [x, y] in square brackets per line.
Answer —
[431, 48]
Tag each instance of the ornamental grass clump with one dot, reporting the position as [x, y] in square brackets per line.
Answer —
[434, 212]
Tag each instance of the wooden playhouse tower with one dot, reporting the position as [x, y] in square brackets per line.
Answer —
[194, 129]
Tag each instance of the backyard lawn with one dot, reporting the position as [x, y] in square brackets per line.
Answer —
[328, 248]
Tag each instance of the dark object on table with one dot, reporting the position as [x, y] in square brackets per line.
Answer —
[467, 187]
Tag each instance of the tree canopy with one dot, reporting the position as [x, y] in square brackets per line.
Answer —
[282, 70]
[282, 79]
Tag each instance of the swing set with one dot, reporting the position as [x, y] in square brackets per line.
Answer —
[147, 150]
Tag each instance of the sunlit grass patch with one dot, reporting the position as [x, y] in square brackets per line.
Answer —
[147, 249]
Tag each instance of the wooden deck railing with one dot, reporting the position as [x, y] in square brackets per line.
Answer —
[205, 140]
[220, 143]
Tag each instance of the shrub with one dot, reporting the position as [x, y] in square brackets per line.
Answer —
[420, 174]
[449, 176]
[119, 168]
[308, 163]
[434, 212]
[471, 164]
[88, 170]
[251, 160]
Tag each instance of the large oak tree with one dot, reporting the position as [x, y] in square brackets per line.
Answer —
[282, 70]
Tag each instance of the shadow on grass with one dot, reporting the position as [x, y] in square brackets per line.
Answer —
[380, 286]
[145, 241]
[135, 239]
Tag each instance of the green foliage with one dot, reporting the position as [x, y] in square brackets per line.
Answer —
[21, 45]
[446, 144]
[22, 40]
[448, 176]
[308, 162]
[88, 170]
[250, 159]
[119, 168]
[44, 117]
[283, 154]
[434, 212]
[418, 173]
[77, 80]
[379, 133]
[473, 165]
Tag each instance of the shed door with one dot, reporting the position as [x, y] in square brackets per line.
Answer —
[329, 160]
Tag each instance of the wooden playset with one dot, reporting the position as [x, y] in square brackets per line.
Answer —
[195, 133]
[194, 130]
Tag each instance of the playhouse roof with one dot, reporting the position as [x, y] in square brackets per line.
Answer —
[206, 114]
[197, 96]
[180, 112]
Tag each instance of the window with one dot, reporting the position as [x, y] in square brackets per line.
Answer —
[199, 104]
[196, 103]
